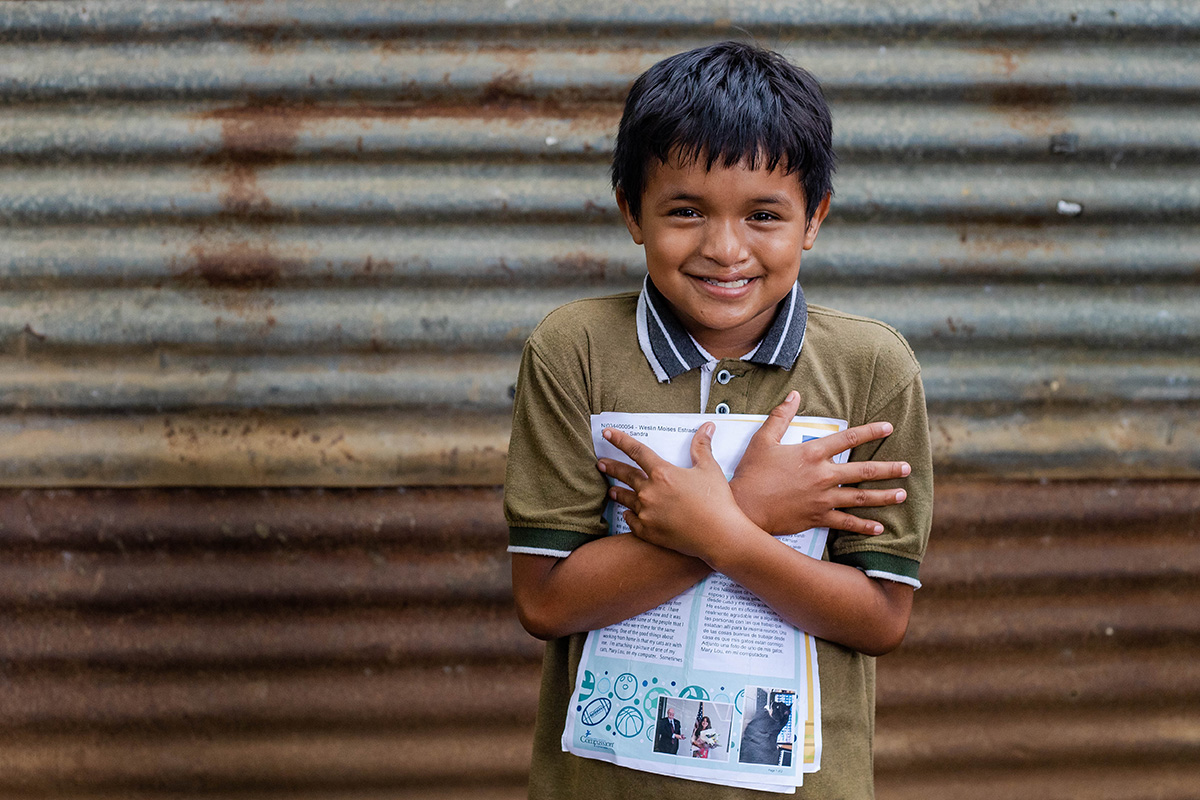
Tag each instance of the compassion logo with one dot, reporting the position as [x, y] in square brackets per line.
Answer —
[599, 744]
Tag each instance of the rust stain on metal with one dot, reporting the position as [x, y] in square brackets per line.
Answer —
[1036, 109]
[509, 86]
[1033, 110]
[1028, 97]
[237, 265]
[457, 519]
[304, 763]
[270, 132]
[258, 131]
[242, 196]
[1007, 59]
[584, 267]
[1014, 248]
[322, 695]
[1040, 508]
[252, 137]
[582, 115]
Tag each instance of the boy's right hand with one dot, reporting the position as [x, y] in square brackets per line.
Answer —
[812, 488]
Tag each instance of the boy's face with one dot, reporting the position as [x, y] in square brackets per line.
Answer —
[723, 246]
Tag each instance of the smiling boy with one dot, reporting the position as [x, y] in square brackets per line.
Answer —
[722, 172]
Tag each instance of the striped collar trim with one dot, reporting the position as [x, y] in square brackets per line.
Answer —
[671, 351]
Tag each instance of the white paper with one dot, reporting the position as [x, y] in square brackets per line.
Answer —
[714, 651]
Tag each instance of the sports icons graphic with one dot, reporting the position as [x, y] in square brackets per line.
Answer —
[625, 686]
[596, 711]
[629, 722]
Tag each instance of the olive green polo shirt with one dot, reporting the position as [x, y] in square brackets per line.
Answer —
[584, 359]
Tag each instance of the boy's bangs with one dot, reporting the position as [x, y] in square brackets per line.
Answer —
[730, 128]
[726, 104]
[753, 153]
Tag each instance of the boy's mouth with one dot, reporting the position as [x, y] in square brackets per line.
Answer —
[739, 283]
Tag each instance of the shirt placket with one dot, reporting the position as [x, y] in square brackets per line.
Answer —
[729, 391]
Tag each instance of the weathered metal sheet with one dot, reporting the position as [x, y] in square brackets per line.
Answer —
[497, 193]
[938, 318]
[384, 448]
[1165, 18]
[254, 449]
[300, 243]
[248, 640]
[556, 254]
[484, 381]
[179, 257]
[1100, 132]
[331, 212]
[371, 70]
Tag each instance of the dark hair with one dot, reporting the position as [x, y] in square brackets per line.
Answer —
[728, 102]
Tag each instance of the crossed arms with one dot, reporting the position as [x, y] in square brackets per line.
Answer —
[689, 522]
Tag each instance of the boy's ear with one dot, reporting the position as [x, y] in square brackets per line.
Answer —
[635, 229]
[814, 224]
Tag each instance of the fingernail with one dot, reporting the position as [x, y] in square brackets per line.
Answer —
[612, 492]
[600, 466]
[709, 429]
[900, 495]
[905, 469]
[878, 529]
[606, 433]
[792, 395]
[887, 427]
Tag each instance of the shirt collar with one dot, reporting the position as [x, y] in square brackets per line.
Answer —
[671, 351]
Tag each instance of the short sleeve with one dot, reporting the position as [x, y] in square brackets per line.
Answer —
[896, 553]
[553, 494]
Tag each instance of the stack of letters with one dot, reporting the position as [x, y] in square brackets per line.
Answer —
[711, 686]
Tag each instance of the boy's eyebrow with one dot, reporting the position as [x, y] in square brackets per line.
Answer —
[766, 200]
[691, 198]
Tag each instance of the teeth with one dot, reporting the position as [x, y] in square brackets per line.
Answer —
[728, 284]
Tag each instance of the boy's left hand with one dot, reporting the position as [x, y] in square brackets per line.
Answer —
[691, 511]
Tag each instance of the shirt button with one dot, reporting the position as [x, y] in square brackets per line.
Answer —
[722, 408]
[724, 377]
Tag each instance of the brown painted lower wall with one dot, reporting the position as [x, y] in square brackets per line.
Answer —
[339, 644]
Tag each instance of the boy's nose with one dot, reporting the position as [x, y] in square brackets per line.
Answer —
[724, 243]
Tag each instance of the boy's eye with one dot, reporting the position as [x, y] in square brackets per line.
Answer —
[763, 216]
[684, 212]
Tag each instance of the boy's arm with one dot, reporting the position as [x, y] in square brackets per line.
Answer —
[587, 580]
[693, 511]
[601, 583]
[560, 596]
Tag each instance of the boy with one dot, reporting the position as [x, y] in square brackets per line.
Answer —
[722, 172]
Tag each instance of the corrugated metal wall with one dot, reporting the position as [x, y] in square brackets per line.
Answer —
[250, 247]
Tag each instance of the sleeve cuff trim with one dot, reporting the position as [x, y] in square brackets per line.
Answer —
[885, 563]
[546, 541]
[539, 551]
[891, 576]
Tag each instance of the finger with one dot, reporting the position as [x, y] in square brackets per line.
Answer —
[868, 498]
[626, 497]
[635, 524]
[702, 445]
[776, 423]
[852, 437]
[862, 471]
[636, 449]
[625, 473]
[852, 524]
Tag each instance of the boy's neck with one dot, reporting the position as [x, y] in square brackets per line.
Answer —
[732, 345]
